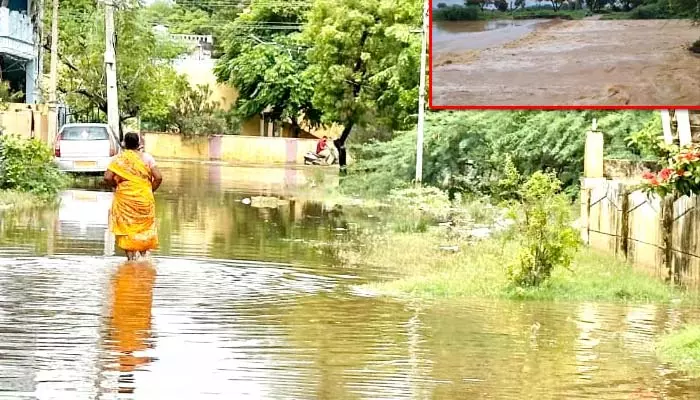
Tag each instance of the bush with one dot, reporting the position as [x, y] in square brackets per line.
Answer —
[464, 151]
[695, 47]
[547, 240]
[649, 11]
[27, 165]
[456, 13]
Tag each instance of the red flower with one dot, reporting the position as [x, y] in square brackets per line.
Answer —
[665, 174]
[648, 175]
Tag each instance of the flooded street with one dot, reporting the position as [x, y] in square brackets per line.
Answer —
[585, 62]
[248, 301]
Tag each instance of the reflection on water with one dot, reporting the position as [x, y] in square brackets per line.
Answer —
[476, 35]
[246, 303]
[130, 319]
[451, 27]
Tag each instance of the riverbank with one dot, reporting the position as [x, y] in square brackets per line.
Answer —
[682, 349]
[585, 62]
[432, 248]
[13, 200]
[429, 265]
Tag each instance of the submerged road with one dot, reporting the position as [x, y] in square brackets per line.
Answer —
[248, 302]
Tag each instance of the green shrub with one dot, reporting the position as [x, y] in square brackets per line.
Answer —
[456, 13]
[547, 240]
[27, 165]
[649, 11]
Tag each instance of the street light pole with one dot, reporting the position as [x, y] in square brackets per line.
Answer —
[421, 96]
[53, 74]
[111, 70]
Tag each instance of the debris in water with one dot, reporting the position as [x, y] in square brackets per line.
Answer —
[246, 201]
[452, 249]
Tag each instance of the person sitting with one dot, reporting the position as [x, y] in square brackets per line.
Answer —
[324, 151]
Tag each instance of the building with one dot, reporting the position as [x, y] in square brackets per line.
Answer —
[197, 65]
[18, 53]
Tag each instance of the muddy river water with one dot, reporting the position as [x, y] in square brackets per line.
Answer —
[585, 63]
[248, 302]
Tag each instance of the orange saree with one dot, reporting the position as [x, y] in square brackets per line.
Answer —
[133, 214]
[131, 313]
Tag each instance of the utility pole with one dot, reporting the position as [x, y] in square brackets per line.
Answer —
[53, 74]
[39, 45]
[421, 96]
[111, 70]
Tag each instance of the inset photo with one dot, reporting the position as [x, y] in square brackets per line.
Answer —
[558, 53]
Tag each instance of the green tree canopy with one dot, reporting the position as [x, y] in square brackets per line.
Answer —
[144, 75]
[364, 58]
[265, 59]
[467, 151]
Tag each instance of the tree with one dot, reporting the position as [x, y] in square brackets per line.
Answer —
[267, 65]
[195, 114]
[364, 59]
[195, 17]
[556, 4]
[502, 5]
[144, 77]
[478, 3]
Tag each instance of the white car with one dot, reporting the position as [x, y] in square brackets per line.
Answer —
[85, 147]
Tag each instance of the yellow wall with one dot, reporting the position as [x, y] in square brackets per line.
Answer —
[234, 148]
[16, 120]
[201, 72]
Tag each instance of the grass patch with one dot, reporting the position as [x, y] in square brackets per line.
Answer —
[13, 199]
[425, 268]
[682, 349]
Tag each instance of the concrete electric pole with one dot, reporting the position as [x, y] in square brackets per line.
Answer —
[53, 74]
[111, 69]
[421, 96]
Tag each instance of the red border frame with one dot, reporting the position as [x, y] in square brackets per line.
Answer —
[545, 107]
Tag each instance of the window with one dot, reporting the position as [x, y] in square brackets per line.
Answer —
[85, 133]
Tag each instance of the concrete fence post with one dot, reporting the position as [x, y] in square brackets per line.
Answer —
[593, 155]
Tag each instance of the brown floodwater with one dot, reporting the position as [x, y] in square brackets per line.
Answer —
[585, 63]
[456, 36]
[249, 302]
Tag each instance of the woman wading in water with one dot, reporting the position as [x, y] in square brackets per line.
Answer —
[132, 218]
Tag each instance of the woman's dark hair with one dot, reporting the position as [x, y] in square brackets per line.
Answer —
[132, 141]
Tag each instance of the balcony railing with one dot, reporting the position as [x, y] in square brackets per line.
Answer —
[16, 33]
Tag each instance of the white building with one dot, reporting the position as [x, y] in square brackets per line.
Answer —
[18, 53]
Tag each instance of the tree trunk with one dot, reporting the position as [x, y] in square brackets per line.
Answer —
[340, 145]
[295, 128]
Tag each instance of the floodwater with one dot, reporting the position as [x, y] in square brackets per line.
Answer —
[455, 36]
[248, 302]
[587, 62]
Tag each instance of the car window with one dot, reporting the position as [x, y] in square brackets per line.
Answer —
[85, 133]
